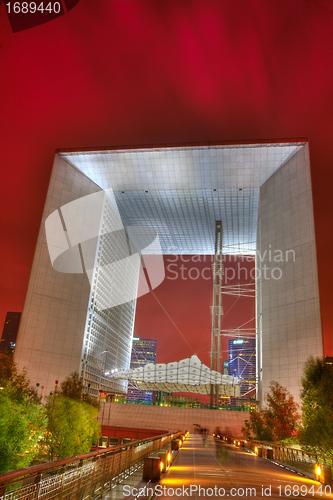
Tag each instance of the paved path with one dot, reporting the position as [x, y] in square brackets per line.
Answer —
[222, 470]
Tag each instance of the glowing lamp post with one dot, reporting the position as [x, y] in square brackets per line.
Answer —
[324, 473]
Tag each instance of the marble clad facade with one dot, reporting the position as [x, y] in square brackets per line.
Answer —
[262, 194]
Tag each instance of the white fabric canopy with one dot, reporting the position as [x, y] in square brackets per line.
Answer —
[187, 375]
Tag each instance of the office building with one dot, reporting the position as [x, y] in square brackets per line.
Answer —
[9, 332]
[242, 363]
[260, 191]
[143, 352]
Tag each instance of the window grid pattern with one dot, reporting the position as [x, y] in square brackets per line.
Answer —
[108, 335]
[185, 219]
[210, 167]
[181, 191]
[143, 352]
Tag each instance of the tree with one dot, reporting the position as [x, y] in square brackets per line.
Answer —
[72, 420]
[282, 413]
[256, 427]
[73, 388]
[22, 417]
[317, 407]
[18, 380]
[278, 421]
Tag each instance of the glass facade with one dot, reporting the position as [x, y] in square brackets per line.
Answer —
[143, 352]
[242, 363]
[108, 333]
[9, 332]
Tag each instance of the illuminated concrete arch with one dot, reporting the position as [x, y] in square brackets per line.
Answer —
[262, 194]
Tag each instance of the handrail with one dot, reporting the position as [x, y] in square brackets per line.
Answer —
[36, 469]
[195, 406]
[280, 447]
[274, 444]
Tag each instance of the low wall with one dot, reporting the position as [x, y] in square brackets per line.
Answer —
[171, 418]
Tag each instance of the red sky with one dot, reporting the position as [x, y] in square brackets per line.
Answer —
[113, 72]
[178, 312]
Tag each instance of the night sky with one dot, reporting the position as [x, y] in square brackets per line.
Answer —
[112, 73]
[178, 312]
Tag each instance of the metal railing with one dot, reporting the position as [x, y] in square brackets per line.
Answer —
[202, 406]
[85, 476]
[286, 455]
[299, 459]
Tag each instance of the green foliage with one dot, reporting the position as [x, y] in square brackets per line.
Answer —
[278, 421]
[257, 428]
[66, 426]
[19, 382]
[72, 426]
[22, 417]
[317, 407]
[72, 420]
[73, 388]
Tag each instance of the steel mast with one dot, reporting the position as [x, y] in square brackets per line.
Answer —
[217, 311]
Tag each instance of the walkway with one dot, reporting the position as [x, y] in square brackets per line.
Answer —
[223, 470]
[215, 470]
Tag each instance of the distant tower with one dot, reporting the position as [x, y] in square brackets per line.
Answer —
[9, 332]
[143, 352]
[242, 362]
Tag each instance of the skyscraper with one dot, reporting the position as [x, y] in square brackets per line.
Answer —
[143, 352]
[9, 332]
[242, 363]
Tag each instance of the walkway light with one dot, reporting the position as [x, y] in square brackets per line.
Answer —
[324, 473]
[152, 468]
